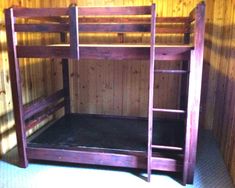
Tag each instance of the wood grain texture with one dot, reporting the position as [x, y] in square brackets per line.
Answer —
[218, 104]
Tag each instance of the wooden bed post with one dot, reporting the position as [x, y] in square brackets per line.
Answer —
[151, 91]
[16, 87]
[74, 32]
[65, 74]
[195, 78]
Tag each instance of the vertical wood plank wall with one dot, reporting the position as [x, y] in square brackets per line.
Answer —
[121, 88]
[218, 98]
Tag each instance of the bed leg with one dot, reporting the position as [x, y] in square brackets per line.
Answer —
[16, 88]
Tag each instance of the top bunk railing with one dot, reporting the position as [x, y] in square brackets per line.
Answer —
[99, 19]
[75, 20]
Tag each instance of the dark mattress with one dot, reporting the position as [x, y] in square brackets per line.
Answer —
[93, 131]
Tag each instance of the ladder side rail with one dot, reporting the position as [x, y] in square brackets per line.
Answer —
[151, 90]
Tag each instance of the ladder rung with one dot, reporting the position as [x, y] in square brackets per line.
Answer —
[171, 71]
[168, 110]
[167, 147]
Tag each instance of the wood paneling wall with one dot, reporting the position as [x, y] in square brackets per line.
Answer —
[121, 87]
[219, 90]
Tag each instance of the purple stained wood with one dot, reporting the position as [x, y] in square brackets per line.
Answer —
[130, 159]
[16, 87]
[134, 10]
[129, 27]
[151, 89]
[42, 27]
[195, 78]
[65, 74]
[116, 27]
[41, 104]
[39, 12]
[38, 118]
[133, 19]
[43, 51]
[74, 32]
[106, 52]
[185, 67]
[110, 19]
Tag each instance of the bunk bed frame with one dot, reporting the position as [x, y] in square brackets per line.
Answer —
[74, 20]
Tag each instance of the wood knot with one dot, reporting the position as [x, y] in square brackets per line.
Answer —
[3, 92]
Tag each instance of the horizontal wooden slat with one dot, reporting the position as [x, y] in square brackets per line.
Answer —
[166, 164]
[122, 19]
[39, 12]
[41, 104]
[173, 57]
[115, 53]
[117, 19]
[129, 159]
[129, 53]
[43, 52]
[130, 28]
[42, 116]
[172, 49]
[108, 52]
[42, 27]
[114, 27]
[138, 10]
[54, 19]
[98, 28]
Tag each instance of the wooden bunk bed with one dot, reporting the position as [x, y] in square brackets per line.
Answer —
[105, 140]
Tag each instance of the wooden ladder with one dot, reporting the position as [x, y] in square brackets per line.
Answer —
[151, 108]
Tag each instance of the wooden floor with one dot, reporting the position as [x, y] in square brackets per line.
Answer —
[116, 133]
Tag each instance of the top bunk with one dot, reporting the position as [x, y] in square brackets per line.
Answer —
[73, 22]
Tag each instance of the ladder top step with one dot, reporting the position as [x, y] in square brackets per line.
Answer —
[168, 110]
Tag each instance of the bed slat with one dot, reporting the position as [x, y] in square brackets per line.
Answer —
[41, 104]
[43, 51]
[39, 12]
[108, 52]
[42, 116]
[96, 19]
[98, 28]
[114, 27]
[138, 10]
[42, 27]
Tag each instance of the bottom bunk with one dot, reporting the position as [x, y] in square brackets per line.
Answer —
[108, 140]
